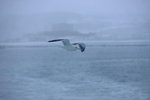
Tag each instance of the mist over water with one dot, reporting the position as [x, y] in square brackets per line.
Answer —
[114, 65]
[32, 20]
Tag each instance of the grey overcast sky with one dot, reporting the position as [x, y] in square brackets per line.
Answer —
[77, 6]
[15, 22]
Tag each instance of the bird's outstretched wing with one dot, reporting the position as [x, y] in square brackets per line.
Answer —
[81, 46]
[55, 40]
[64, 41]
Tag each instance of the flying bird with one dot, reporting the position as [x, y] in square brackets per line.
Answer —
[70, 46]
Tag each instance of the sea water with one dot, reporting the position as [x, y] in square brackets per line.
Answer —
[51, 73]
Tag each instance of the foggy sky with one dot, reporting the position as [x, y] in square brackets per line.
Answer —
[15, 19]
[77, 6]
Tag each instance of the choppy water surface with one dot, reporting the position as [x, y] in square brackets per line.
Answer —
[51, 73]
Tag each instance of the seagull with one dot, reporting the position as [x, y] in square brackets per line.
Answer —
[71, 47]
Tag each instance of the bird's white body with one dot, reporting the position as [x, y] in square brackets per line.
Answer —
[70, 47]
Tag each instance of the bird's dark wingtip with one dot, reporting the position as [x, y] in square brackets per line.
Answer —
[55, 40]
[82, 50]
